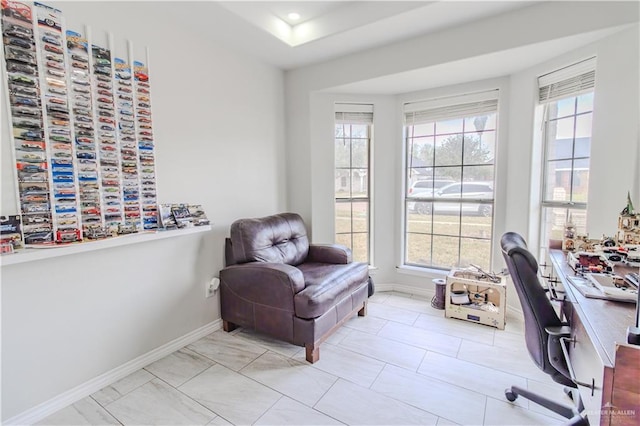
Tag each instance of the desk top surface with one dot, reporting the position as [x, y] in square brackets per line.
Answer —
[606, 321]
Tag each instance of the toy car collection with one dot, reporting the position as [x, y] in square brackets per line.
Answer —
[81, 129]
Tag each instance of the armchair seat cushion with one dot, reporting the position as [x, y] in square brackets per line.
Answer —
[325, 284]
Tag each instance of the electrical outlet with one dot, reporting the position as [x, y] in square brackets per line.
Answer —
[212, 287]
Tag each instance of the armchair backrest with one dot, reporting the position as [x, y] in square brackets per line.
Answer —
[281, 238]
[536, 306]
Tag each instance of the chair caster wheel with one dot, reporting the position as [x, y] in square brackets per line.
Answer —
[510, 395]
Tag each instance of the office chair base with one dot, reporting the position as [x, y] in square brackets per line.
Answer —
[565, 411]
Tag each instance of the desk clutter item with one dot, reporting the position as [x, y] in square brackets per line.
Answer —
[605, 286]
[476, 296]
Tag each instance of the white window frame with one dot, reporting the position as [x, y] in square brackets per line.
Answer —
[460, 106]
[567, 82]
[350, 114]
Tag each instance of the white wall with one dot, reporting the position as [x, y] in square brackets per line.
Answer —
[309, 108]
[219, 123]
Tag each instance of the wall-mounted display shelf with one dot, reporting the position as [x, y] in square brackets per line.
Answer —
[34, 254]
[82, 134]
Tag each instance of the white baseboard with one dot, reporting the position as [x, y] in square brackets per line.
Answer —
[71, 396]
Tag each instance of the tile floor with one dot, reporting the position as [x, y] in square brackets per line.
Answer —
[404, 363]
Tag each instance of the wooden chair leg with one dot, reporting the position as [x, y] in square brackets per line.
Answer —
[363, 312]
[312, 352]
[228, 326]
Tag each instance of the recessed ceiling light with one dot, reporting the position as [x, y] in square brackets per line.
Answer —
[293, 16]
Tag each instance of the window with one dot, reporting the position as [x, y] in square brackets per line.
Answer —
[353, 128]
[566, 97]
[450, 162]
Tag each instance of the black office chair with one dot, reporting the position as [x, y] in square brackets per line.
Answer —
[543, 329]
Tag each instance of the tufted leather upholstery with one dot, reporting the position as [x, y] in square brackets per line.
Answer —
[277, 283]
[280, 238]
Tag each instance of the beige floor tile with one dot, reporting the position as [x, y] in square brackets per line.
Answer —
[298, 380]
[505, 413]
[355, 405]
[431, 395]
[424, 339]
[456, 328]
[289, 412]
[368, 324]
[348, 365]
[505, 339]
[471, 376]
[392, 313]
[383, 349]
[414, 304]
[157, 403]
[229, 394]
[84, 412]
[226, 349]
[179, 367]
[514, 360]
[123, 386]
[269, 343]
[550, 390]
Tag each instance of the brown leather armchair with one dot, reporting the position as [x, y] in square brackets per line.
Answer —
[275, 282]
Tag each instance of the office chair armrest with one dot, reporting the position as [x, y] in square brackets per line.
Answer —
[554, 348]
[562, 331]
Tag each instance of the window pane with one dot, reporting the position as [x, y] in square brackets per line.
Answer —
[445, 251]
[479, 148]
[583, 126]
[564, 107]
[418, 249]
[360, 217]
[448, 150]
[359, 131]
[480, 174]
[475, 251]
[424, 129]
[478, 225]
[582, 147]
[343, 217]
[556, 218]
[343, 183]
[558, 181]
[360, 248]
[419, 218]
[580, 180]
[421, 152]
[344, 239]
[564, 130]
[360, 153]
[342, 152]
[452, 173]
[449, 126]
[359, 183]
[480, 123]
[585, 103]
[446, 220]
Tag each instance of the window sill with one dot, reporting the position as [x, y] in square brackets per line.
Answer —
[421, 272]
[35, 254]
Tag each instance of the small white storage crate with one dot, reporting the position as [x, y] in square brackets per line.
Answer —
[472, 296]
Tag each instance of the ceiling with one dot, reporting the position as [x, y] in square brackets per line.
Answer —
[329, 29]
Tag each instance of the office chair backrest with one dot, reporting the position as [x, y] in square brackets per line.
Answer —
[537, 308]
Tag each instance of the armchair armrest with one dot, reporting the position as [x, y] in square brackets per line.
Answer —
[272, 284]
[329, 253]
